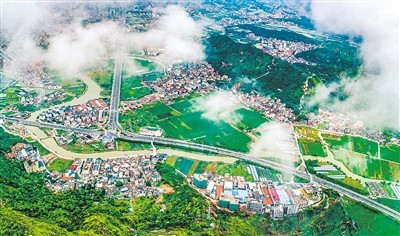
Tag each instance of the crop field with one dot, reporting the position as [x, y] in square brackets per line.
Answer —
[178, 120]
[370, 222]
[337, 141]
[238, 168]
[307, 132]
[391, 153]
[183, 165]
[352, 143]
[311, 148]
[367, 166]
[190, 167]
[250, 119]
[132, 88]
[365, 146]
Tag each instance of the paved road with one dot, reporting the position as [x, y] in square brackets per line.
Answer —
[195, 146]
[115, 94]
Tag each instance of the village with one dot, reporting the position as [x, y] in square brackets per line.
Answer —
[262, 196]
[283, 49]
[136, 176]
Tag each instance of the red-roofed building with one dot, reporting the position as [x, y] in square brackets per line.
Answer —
[218, 190]
[274, 195]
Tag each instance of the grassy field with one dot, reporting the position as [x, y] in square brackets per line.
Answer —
[313, 148]
[367, 166]
[391, 153]
[60, 165]
[353, 183]
[392, 203]
[104, 78]
[368, 221]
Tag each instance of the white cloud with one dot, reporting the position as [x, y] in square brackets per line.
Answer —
[217, 107]
[276, 141]
[374, 94]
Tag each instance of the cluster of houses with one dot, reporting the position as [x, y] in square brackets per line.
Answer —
[27, 153]
[130, 176]
[42, 99]
[275, 198]
[285, 50]
[271, 108]
[82, 115]
[180, 81]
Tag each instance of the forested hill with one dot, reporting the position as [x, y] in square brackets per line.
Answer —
[260, 71]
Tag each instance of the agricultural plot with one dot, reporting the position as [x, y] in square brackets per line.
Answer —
[352, 143]
[250, 119]
[238, 168]
[312, 148]
[307, 132]
[365, 146]
[183, 165]
[179, 121]
[192, 126]
[391, 153]
[367, 166]
[132, 88]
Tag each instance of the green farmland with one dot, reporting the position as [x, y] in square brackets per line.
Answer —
[190, 167]
[132, 87]
[312, 148]
[352, 143]
[391, 153]
[367, 166]
[250, 119]
[179, 121]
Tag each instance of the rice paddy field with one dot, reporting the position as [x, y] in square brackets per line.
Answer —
[367, 166]
[312, 148]
[178, 120]
[370, 222]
